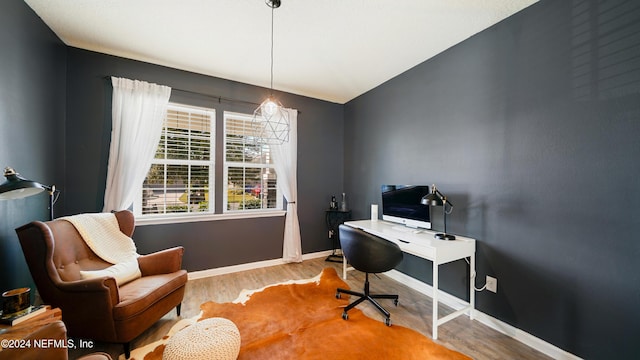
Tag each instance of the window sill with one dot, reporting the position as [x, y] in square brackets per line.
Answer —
[178, 219]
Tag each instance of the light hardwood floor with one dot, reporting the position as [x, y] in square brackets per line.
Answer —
[414, 311]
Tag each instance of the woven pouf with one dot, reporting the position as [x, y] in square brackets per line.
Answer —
[209, 339]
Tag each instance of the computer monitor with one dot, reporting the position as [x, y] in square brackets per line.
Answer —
[401, 204]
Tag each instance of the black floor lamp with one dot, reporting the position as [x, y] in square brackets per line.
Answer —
[17, 187]
[436, 198]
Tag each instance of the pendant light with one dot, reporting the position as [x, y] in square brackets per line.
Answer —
[270, 119]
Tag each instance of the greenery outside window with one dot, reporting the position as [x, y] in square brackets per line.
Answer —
[182, 173]
[250, 178]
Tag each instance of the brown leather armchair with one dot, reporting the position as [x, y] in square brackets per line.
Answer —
[98, 309]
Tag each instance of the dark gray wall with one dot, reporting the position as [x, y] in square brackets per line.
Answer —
[532, 128]
[214, 243]
[32, 111]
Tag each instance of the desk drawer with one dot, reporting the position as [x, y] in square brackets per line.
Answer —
[426, 252]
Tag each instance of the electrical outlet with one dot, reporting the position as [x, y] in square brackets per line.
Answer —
[492, 284]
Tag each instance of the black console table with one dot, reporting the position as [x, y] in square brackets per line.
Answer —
[334, 218]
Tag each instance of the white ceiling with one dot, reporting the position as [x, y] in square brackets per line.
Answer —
[333, 50]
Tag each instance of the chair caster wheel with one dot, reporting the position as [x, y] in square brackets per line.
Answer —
[338, 296]
[387, 322]
[345, 316]
[395, 302]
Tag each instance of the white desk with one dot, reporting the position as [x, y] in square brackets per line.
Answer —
[424, 245]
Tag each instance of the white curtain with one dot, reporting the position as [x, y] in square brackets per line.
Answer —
[285, 159]
[138, 111]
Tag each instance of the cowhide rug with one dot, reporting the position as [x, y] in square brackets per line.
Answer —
[302, 320]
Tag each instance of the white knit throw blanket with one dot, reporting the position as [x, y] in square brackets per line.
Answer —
[102, 234]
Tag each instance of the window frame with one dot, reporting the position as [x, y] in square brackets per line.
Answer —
[172, 216]
[213, 214]
[227, 164]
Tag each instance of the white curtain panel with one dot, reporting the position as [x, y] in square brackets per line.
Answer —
[138, 111]
[285, 160]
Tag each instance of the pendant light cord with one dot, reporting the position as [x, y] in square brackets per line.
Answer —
[271, 83]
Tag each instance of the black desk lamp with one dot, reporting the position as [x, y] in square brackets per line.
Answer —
[436, 198]
[17, 187]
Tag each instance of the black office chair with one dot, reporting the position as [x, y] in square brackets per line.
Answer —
[369, 254]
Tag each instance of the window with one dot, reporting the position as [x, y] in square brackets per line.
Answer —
[182, 172]
[180, 183]
[250, 179]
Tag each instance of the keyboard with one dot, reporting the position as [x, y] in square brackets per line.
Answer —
[406, 230]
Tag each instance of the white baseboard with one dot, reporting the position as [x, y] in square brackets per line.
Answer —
[250, 266]
[498, 325]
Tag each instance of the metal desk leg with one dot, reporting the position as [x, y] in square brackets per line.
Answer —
[434, 328]
[344, 267]
[472, 283]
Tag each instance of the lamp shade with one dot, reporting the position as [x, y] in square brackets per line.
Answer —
[17, 187]
[271, 122]
[432, 199]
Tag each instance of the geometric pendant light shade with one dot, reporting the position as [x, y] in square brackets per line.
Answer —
[270, 120]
